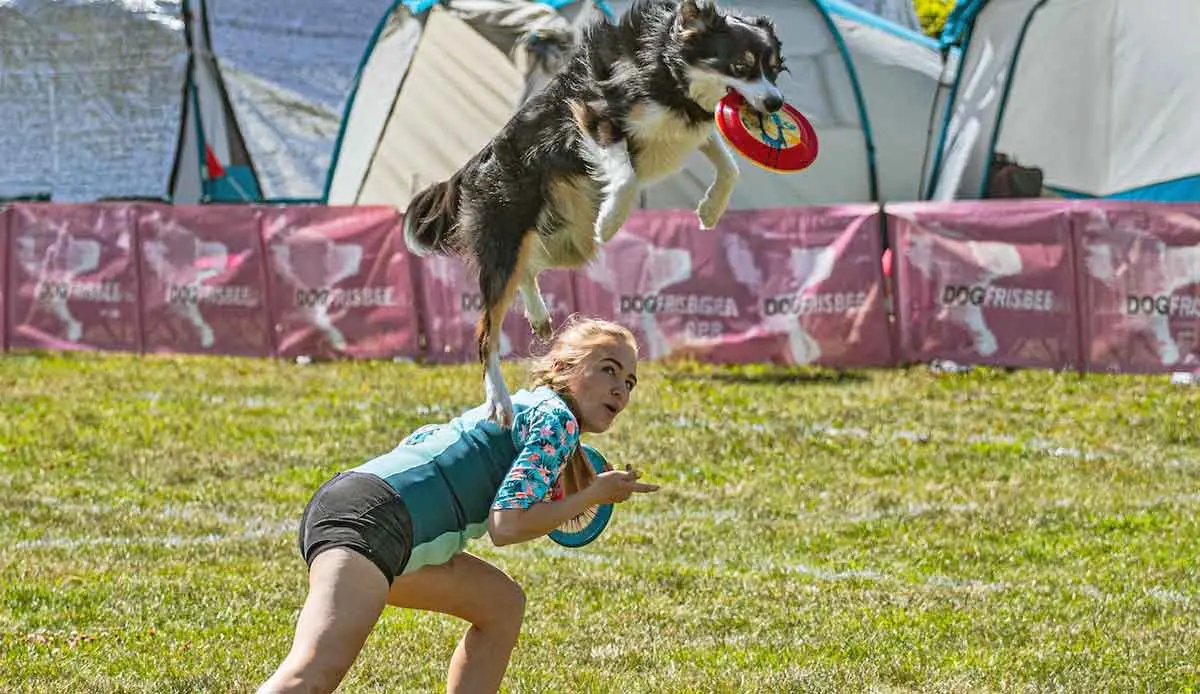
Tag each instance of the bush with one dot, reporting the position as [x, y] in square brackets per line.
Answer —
[932, 14]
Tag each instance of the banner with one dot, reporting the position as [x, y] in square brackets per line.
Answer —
[1139, 273]
[339, 282]
[787, 286]
[452, 304]
[203, 280]
[1059, 284]
[4, 275]
[73, 277]
[989, 282]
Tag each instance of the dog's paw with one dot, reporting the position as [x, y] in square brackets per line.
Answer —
[711, 209]
[500, 411]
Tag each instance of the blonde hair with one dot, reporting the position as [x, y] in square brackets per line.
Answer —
[577, 337]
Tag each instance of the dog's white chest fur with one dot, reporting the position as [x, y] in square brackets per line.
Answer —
[663, 140]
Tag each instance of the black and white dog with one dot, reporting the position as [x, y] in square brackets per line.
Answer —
[634, 101]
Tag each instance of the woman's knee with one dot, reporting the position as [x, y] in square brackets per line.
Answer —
[507, 607]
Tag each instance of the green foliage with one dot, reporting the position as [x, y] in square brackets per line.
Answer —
[878, 531]
[932, 14]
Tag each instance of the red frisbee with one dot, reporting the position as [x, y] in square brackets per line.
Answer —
[784, 141]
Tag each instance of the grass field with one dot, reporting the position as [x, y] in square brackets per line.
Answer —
[879, 531]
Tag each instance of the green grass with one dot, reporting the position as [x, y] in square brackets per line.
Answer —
[879, 531]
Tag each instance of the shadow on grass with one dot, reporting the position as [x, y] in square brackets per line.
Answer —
[767, 376]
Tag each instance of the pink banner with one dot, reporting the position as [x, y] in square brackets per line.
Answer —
[1139, 273]
[203, 280]
[73, 280]
[790, 286]
[987, 282]
[452, 304]
[339, 282]
[4, 274]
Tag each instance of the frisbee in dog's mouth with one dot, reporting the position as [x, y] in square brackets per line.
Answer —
[783, 141]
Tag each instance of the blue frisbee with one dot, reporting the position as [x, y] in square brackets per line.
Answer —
[588, 525]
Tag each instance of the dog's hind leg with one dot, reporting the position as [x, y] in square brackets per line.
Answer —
[716, 198]
[536, 311]
[502, 265]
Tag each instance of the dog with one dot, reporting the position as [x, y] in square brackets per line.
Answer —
[632, 101]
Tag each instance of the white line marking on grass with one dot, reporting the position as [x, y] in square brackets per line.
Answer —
[258, 529]
[813, 429]
[249, 532]
[187, 511]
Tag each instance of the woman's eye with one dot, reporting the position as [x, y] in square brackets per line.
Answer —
[609, 370]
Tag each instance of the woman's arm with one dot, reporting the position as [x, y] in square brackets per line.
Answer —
[510, 526]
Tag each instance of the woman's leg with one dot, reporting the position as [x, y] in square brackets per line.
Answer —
[346, 594]
[471, 589]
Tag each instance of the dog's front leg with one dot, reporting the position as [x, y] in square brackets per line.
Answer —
[620, 190]
[716, 198]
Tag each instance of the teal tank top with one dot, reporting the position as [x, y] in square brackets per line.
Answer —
[451, 475]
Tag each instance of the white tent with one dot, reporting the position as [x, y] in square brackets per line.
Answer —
[868, 85]
[436, 83]
[1101, 95]
[899, 12]
[90, 98]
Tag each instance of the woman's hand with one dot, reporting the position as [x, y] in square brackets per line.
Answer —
[615, 486]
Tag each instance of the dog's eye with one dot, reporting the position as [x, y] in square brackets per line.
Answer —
[739, 70]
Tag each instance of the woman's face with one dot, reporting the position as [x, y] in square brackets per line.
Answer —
[602, 383]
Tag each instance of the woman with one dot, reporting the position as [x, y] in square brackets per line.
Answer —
[392, 530]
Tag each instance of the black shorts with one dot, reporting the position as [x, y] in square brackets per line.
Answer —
[361, 512]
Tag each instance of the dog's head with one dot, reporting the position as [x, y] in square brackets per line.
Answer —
[724, 51]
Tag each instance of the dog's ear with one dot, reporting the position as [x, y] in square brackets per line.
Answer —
[696, 17]
[764, 22]
[768, 25]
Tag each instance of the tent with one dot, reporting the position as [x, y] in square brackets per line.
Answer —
[212, 163]
[187, 100]
[899, 12]
[234, 100]
[869, 86]
[1101, 95]
[90, 98]
[437, 81]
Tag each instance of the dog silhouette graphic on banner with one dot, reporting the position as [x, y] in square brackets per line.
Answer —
[1122, 254]
[813, 265]
[988, 262]
[631, 264]
[311, 264]
[49, 252]
[180, 260]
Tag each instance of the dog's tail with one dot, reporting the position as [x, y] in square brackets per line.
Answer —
[429, 221]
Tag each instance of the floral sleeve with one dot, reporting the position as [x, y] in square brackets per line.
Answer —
[545, 441]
